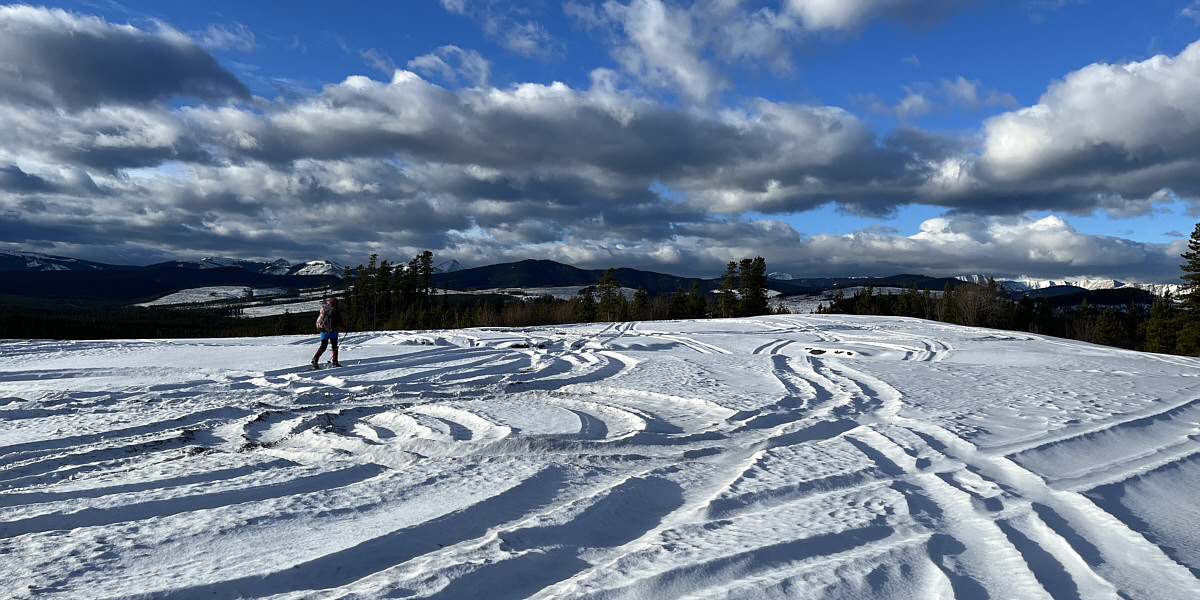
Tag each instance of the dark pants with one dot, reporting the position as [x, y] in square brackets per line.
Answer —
[324, 344]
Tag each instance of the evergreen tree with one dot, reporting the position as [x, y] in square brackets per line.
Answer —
[1160, 327]
[585, 306]
[697, 305]
[677, 306]
[641, 305]
[425, 274]
[611, 301]
[1188, 341]
[1083, 325]
[1191, 273]
[727, 298]
[1108, 328]
[753, 287]
[948, 308]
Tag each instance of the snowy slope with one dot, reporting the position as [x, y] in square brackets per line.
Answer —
[778, 457]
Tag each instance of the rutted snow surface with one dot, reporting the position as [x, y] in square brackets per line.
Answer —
[777, 457]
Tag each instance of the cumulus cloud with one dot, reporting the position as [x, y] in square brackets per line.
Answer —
[55, 58]
[1126, 130]
[663, 48]
[999, 246]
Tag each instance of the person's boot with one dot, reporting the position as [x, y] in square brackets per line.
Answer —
[314, 364]
[335, 360]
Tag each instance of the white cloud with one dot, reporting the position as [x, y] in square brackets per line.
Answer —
[506, 21]
[234, 36]
[451, 64]
[1192, 12]
[664, 48]
[845, 15]
[1001, 246]
[959, 94]
[1107, 124]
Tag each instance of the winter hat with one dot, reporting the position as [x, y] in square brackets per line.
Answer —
[333, 301]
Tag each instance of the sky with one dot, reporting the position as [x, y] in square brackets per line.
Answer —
[1038, 138]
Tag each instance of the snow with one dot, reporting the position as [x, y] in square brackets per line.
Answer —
[790, 456]
[320, 267]
[210, 294]
[803, 304]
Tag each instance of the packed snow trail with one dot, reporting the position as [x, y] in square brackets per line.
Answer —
[773, 457]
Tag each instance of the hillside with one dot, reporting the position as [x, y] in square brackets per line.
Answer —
[773, 457]
[132, 285]
[547, 273]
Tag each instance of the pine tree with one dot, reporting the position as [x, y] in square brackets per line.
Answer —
[611, 301]
[1083, 324]
[697, 305]
[1191, 273]
[1108, 328]
[753, 288]
[727, 298]
[585, 306]
[1160, 328]
[641, 305]
[1188, 341]
[677, 306]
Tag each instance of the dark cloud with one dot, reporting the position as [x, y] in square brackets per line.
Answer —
[13, 179]
[53, 58]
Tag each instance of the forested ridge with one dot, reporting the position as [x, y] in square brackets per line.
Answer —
[1165, 325]
[382, 295]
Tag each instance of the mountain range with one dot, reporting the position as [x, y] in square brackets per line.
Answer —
[45, 276]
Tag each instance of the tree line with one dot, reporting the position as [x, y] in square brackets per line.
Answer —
[384, 295]
[1167, 326]
[28, 318]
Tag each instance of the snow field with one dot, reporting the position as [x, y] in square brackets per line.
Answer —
[777, 457]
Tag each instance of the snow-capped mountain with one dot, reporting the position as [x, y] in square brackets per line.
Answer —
[11, 260]
[1029, 284]
[317, 267]
[278, 267]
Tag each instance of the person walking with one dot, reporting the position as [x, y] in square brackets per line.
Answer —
[329, 321]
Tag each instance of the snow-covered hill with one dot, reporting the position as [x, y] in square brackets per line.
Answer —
[775, 457]
[11, 260]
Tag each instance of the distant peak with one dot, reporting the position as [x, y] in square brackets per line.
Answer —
[448, 266]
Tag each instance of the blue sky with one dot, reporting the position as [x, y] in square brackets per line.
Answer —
[1045, 138]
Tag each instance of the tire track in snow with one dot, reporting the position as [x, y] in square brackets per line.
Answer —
[1096, 528]
[342, 567]
[138, 511]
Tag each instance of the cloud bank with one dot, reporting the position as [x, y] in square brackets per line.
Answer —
[174, 157]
